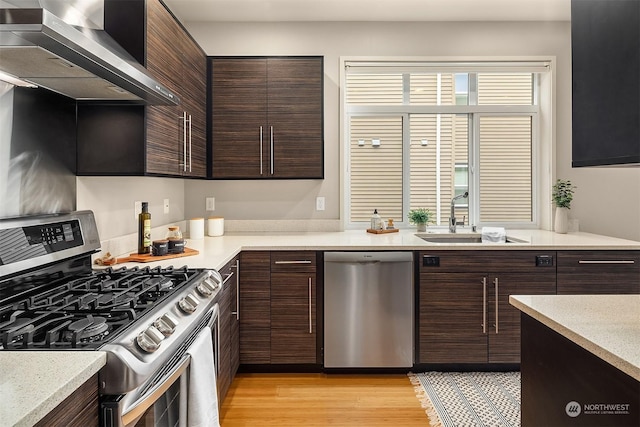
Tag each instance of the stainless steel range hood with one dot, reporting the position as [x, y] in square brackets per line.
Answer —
[61, 45]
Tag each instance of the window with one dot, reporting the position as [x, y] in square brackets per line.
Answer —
[423, 133]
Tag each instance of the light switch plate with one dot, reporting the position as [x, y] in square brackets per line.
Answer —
[166, 206]
[210, 203]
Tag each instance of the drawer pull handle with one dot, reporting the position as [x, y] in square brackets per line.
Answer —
[622, 261]
[293, 262]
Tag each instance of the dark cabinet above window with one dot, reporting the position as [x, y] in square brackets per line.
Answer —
[605, 37]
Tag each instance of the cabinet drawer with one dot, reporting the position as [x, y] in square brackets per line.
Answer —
[599, 272]
[483, 261]
[599, 261]
[293, 262]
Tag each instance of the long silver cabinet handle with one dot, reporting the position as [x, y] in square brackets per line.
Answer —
[184, 141]
[271, 150]
[621, 261]
[484, 305]
[237, 312]
[190, 135]
[260, 150]
[495, 283]
[293, 262]
[310, 324]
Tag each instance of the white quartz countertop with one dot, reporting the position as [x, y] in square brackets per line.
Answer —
[34, 383]
[606, 325]
[215, 252]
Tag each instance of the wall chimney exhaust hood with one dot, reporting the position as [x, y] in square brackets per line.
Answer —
[61, 45]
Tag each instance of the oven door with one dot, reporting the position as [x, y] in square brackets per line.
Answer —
[164, 404]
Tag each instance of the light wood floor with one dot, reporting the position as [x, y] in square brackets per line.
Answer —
[304, 400]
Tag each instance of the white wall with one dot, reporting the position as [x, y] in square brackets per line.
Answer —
[607, 200]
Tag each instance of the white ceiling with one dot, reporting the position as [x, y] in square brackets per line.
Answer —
[370, 10]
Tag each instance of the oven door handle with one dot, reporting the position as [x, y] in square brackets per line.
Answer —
[148, 399]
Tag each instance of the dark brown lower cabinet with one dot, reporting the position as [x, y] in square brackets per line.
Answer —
[278, 308]
[255, 308]
[464, 312]
[293, 308]
[229, 341]
[80, 409]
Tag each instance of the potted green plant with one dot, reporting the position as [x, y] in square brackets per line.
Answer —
[562, 195]
[420, 217]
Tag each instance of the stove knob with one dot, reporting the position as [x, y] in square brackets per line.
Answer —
[166, 324]
[149, 340]
[212, 282]
[188, 304]
[204, 289]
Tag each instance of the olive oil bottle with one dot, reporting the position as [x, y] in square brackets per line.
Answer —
[144, 230]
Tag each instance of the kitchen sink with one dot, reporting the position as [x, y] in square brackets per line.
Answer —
[460, 238]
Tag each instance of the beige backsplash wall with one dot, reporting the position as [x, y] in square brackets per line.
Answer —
[112, 200]
[607, 200]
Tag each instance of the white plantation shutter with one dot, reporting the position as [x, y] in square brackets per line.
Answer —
[424, 89]
[505, 169]
[376, 172]
[505, 89]
[374, 89]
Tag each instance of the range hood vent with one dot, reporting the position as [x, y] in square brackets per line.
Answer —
[61, 45]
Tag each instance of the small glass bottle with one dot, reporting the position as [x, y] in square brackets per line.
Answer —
[376, 221]
[144, 230]
[176, 242]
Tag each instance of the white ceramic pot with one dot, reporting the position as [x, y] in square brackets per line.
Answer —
[561, 224]
[422, 227]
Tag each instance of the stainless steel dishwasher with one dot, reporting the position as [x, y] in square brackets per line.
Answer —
[368, 309]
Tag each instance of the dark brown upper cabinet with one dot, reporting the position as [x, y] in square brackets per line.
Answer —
[267, 117]
[154, 140]
[605, 38]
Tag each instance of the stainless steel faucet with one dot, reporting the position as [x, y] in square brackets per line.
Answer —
[452, 218]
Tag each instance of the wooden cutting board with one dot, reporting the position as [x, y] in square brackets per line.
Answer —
[135, 257]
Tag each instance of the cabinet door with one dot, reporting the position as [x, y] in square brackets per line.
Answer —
[295, 106]
[255, 308]
[598, 272]
[194, 92]
[504, 324]
[165, 127]
[293, 307]
[605, 53]
[239, 133]
[223, 378]
[451, 318]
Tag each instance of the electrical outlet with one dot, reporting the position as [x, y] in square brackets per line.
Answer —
[166, 206]
[211, 203]
[137, 208]
[319, 203]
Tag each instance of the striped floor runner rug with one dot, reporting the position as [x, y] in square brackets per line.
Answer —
[469, 399]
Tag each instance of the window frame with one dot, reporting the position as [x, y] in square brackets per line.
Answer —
[540, 154]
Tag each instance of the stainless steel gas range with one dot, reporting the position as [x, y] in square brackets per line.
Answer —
[145, 319]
